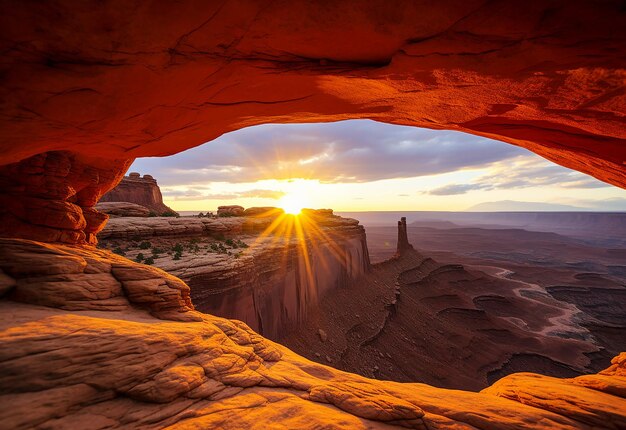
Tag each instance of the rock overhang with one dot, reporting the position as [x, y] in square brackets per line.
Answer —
[88, 79]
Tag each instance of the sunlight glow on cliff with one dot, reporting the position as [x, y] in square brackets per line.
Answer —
[292, 203]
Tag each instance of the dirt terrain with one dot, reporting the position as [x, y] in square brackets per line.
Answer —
[471, 305]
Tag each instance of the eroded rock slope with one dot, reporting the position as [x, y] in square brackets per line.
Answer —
[91, 349]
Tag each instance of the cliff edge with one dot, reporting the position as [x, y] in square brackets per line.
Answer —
[141, 190]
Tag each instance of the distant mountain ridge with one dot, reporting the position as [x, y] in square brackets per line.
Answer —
[580, 224]
[517, 206]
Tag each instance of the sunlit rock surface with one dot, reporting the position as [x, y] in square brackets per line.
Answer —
[265, 270]
[123, 209]
[141, 190]
[80, 361]
[87, 87]
[151, 79]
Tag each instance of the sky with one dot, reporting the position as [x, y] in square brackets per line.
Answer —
[362, 165]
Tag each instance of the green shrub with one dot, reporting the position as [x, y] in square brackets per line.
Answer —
[139, 258]
[148, 261]
[119, 251]
[145, 245]
[152, 214]
[230, 242]
[177, 248]
[156, 251]
[242, 244]
[170, 214]
[178, 255]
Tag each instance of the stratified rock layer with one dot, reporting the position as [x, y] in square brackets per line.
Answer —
[271, 283]
[119, 81]
[78, 362]
[123, 209]
[51, 197]
[143, 191]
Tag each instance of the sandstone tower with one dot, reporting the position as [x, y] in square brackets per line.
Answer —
[403, 239]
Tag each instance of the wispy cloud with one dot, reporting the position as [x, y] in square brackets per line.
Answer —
[191, 194]
[521, 172]
[348, 151]
[453, 189]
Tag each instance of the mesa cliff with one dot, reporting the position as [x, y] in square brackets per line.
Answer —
[89, 339]
[257, 269]
[141, 190]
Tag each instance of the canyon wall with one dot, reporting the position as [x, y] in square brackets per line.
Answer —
[88, 86]
[272, 284]
[143, 191]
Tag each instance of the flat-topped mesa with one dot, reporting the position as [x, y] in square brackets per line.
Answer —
[140, 190]
[263, 267]
[403, 239]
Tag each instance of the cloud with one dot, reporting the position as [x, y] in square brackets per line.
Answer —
[347, 151]
[522, 172]
[263, 194]
[201, 193]
[453, 189]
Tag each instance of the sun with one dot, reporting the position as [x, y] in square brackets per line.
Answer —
[292, 204]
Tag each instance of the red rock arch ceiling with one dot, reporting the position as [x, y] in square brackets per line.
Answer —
[118, 80]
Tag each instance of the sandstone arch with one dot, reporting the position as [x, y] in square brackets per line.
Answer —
[88, 86]
[112, 80]
[154, 78]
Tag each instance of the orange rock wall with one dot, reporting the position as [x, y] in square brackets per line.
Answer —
[143, 191]
[50, 197]
[122, 80]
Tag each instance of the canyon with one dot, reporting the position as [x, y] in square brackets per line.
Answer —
[90, 339]
[461, 323]
[266, 270]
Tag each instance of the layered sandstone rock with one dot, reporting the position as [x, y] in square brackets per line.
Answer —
[143, 191]
[81, 362]
[88, 87]
[548, 77]
[271, 280]
[102, 81]
[123, 209]
[233, 210]
[51, 196]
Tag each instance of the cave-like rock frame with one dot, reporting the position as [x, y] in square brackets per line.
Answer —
[88, 86]
[115, 81]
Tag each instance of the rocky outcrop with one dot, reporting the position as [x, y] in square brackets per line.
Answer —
[129, 228]
[233, 210]
[123, 209]
[142, 191]
[403, 239]
[88, 87]
[51, 197]
[263, 212]
[272, 281]
[80, 363]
